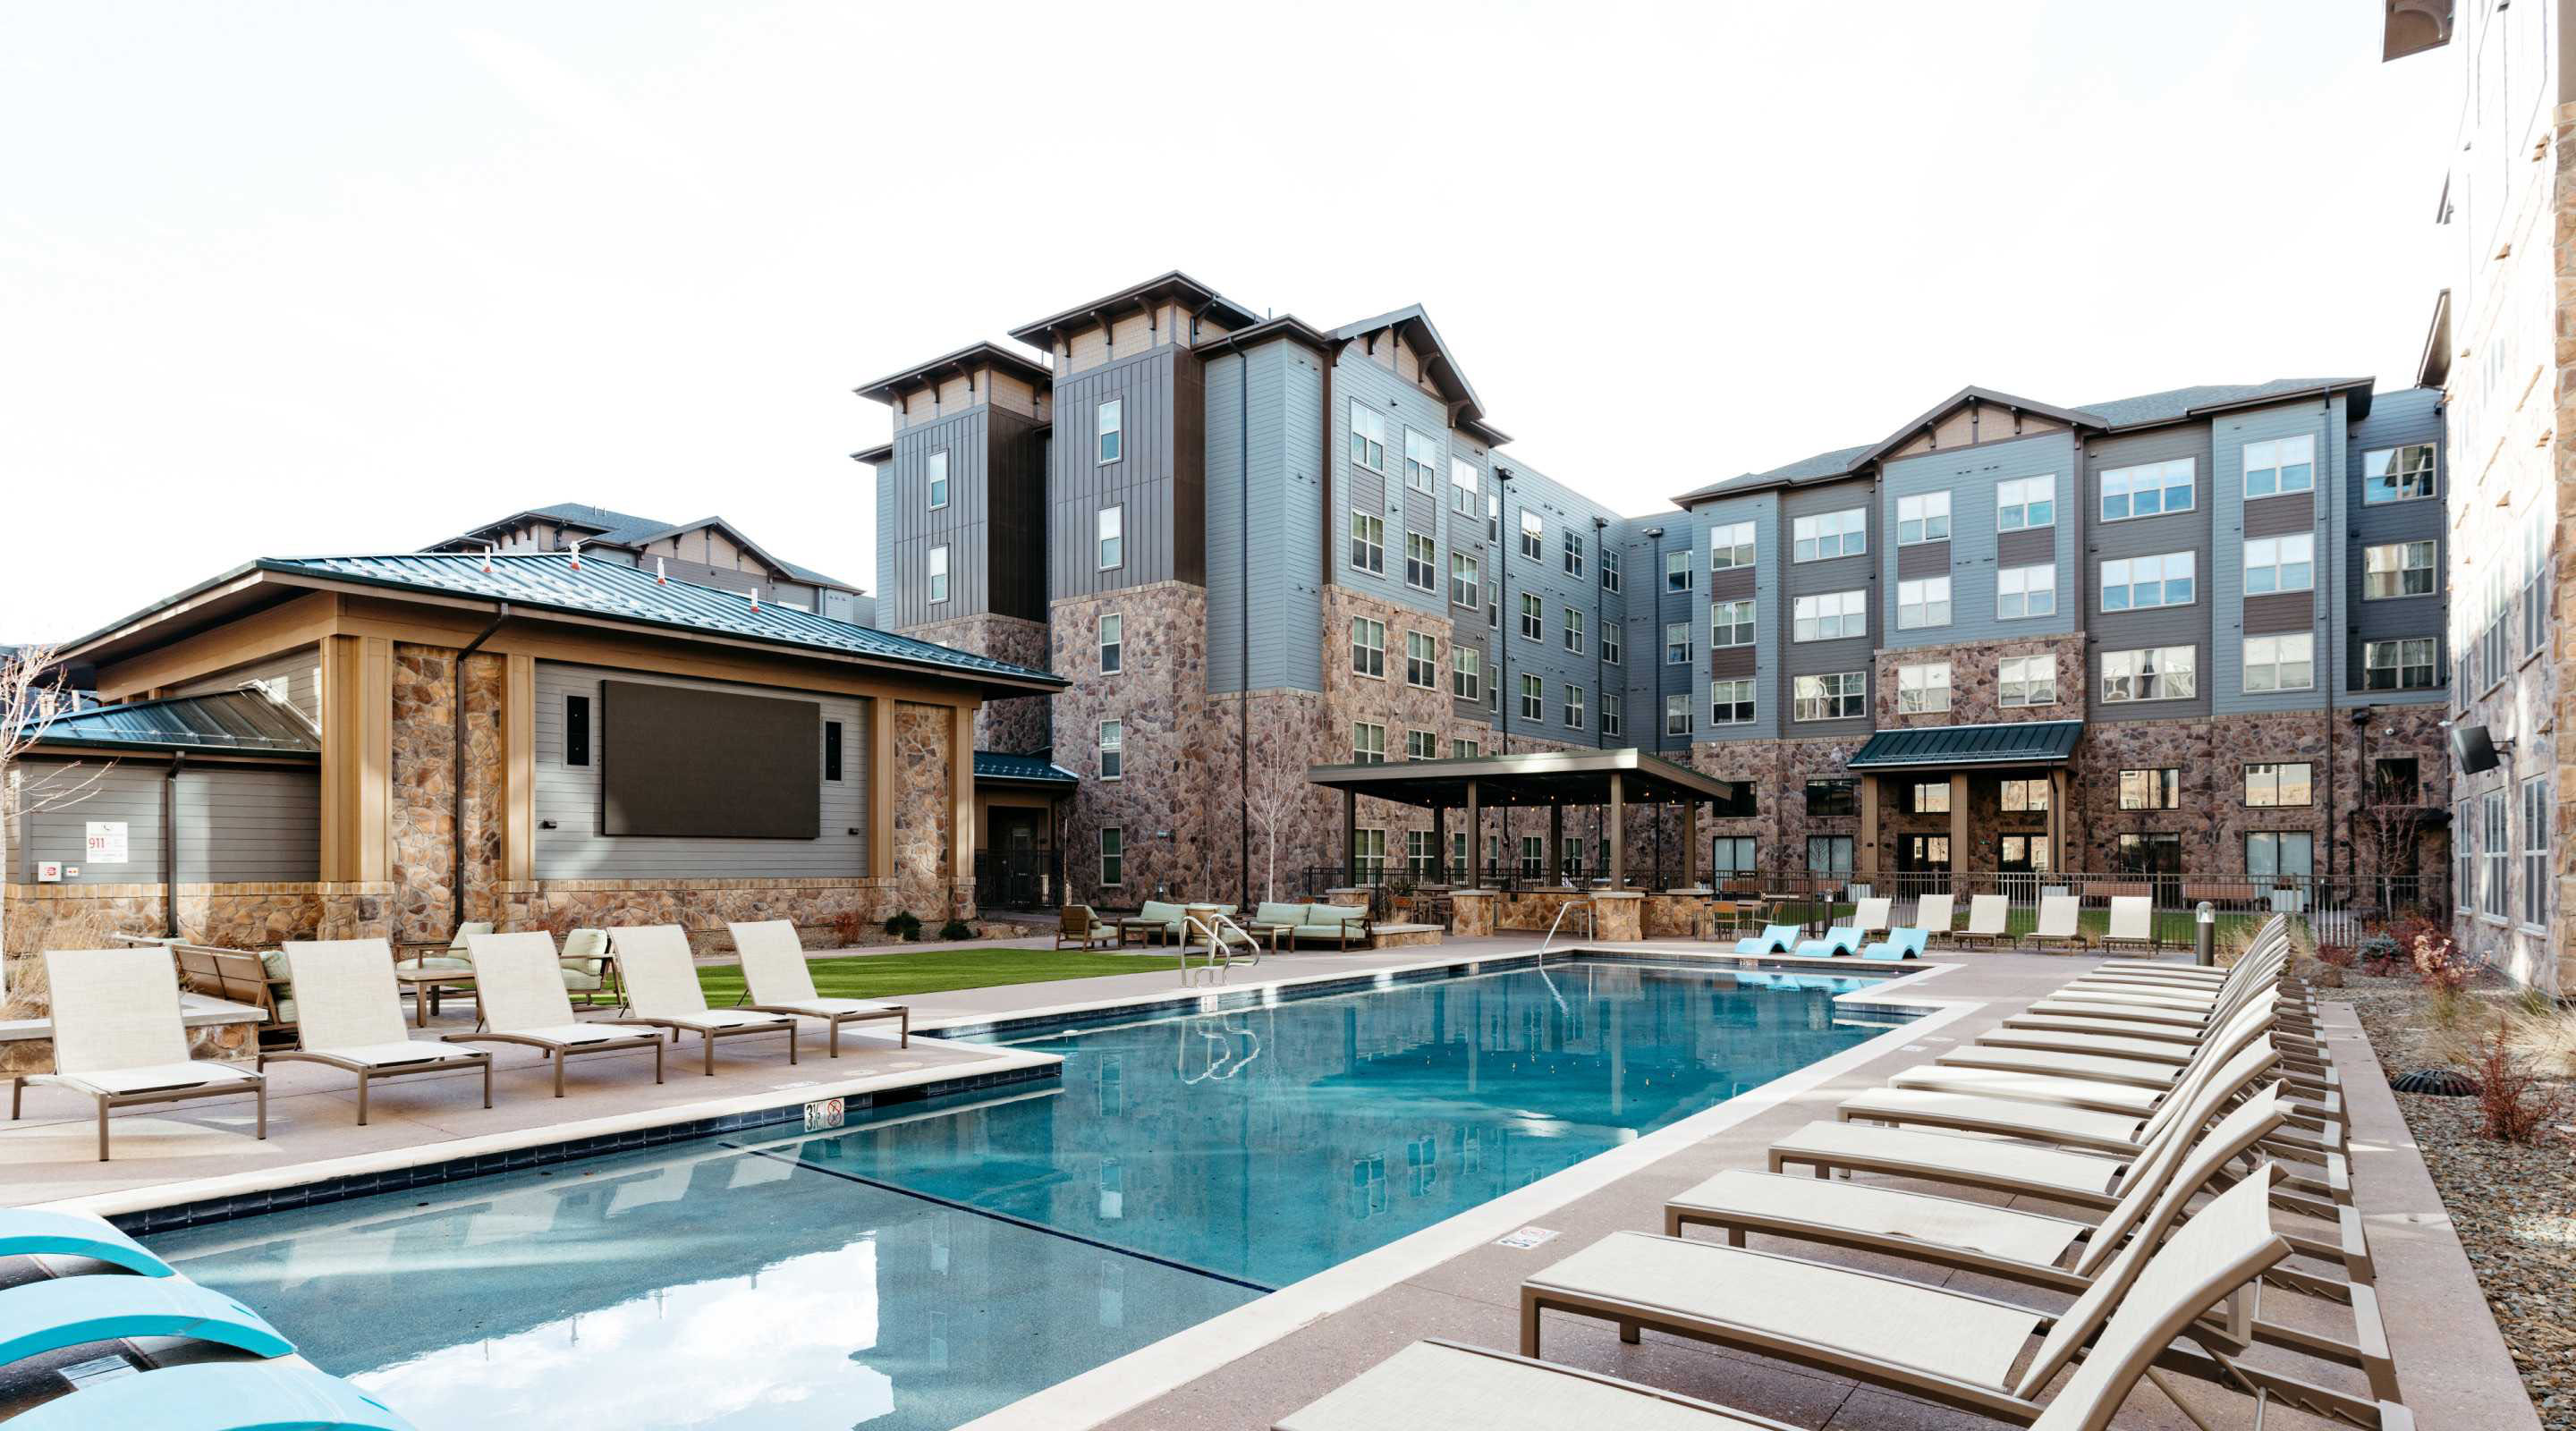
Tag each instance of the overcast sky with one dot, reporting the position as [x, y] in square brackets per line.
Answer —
[281, 279]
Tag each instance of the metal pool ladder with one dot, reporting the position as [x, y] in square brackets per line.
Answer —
[1590, 927]
[1220, 948]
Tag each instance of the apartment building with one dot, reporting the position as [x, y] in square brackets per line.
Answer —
[707, 552]
[2495, 347]
[1254, 545]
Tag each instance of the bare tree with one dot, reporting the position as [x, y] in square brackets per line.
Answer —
[31, 700]
[1272, 796]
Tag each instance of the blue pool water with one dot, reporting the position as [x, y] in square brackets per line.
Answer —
[940, 1260]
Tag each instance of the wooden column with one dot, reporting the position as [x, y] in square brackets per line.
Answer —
[1440, 841]
[357, 755]
[961, 793]
[1618, 830]
[2057, 820]
[518, 768]
[1865, 849]
[1958, 827]
[1475, 835]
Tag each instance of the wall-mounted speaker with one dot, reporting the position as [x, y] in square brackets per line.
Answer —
[2472, 749]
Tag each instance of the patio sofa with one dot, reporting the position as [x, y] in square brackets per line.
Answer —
[1339, 925]
[1164, 917]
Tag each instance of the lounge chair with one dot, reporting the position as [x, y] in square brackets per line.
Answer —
[1837, 944]
[1082, 928]
[520, 986]
[53, 1313]
[1901, 944]
[271, 1393]
[243, 977]
[1775, 939]
[1869, 916]
[1987, 914]
[584, 963]
[1935, 913]
[776, 980]
[662, 991]
[1438, 1383]
[37, 1232]
[2059, 925]
[2133, 923]
[119, 1038]
[353, 1019]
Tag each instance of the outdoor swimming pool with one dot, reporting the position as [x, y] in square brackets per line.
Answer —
[941, 1260]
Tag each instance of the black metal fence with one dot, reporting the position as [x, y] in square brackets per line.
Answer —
[1017, 879]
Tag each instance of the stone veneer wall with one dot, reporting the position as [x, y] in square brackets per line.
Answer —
[420, 814]
[926, 880]
[1975, 674]
[1176, 827]
[704, 907]
[1018, 725]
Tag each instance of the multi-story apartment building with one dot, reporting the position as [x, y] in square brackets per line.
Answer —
[1255, 545]
[707, 552]
[2497, 349]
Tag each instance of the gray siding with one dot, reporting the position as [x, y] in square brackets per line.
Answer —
[1563, 509]
[296, 675]
[235, 824]
[128, 793]
[1763, 511]
[1976, 550]
[2411, 415]
[1277, 382]
[1160, 477]
[2229, 518]
[1812, 578]
[963, 526]
[1359, 379]
[568, 796]
[2144, 536]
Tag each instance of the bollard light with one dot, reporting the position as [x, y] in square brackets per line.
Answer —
[2205, 936]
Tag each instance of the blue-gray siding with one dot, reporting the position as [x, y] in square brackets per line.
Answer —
[2225, 591]
[2189, 531]
[2413, 415]
[1970, 476]
[1279, 384]
[234, 824]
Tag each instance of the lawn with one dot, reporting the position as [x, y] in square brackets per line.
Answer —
[877, 976]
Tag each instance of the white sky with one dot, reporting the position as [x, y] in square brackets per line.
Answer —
[280, 279]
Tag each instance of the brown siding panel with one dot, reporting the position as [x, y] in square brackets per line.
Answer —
[2280, 611]
[2280, 516]
[2029, 547]
[1733, 584]
[1921, 559]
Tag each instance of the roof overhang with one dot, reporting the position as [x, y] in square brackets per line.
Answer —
[876, 456]
[2433, 369]
[1555, 777]
[1005, 771]
[2356, 394]
[891, 388]
[1970, 747]
[1413, 324]
[1286, 326]
[1174, 287]
[2410, 27]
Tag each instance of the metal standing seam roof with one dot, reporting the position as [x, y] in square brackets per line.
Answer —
[2022, 742]
[232, 722]
[625, 529]
[1031, 769]
[547, 581]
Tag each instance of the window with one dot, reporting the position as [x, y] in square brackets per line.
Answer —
[1368, 542]
[2464, 844]
[1113, 749]
[1613, 716]
[1931, 797]
[1421, 563]
[2280, 663]
[1461, 748]
[2156, 673]
[2025, 797]
[1368, 743]
[2153, 489]
[1830, 617]
[1466, 581]
[2284, 464]
[1368, 857]
[1730, 545]
[1923, 603]
[1677, 715]
[1837, 697]
[2497, 852]
[2270, 853]
[2151, 789]
[1832, 534]
[1923, 518]
[2536, 531]
[2280, 564]
[1610, 642]
[938, 479]
[1113, 855]
[2137, 583]
[1463, 481]
[1574, 630]
[1368, 647]
[2022, 591]
[1833, 798]
[2397, 474]
[2397, 569]
[1829, 855]
[1730, 623]
[1730, 702]
[576, 730]
[1421, 745]
[831, 750]
[2273, 786]
[1533, 535]
[2026, 681]
[2396, 780]
[2150, 853]
[1533, 698]
[1113, 537]
[1573, 704]
[1574, 554]
[1421, 461]
[1421, 660]
[2026, 502]
[1466, 673]
[1923, 688]
[1731, 855]
[1677, 643]
[2535, 853]
[1609, 569]
[1533, 857]
[2401, 665]
[1368, 437]
[1677, 571]
[1420, 855]
[1111, 428]
[1494, 518]
[1533, 617]
[938, 575]
[1113, 643]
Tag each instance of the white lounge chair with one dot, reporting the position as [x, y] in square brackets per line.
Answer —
[662, 990]
[2133, 923]
[776, 980]
[2059, 925]
[349, 1014]
[519, 983]
[1987, 914]
[1870, 916]
[119, 1037]
[1935, 913]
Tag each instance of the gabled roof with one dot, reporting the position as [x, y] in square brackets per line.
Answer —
[1173, 287]
[2020, 742]
[1465, 408]
[1003, 768]
[625, 529]
[891, 387]
[1972, 394]
[231, 722]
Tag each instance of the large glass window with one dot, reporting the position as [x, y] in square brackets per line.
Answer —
[2280, 564]
[1111, 430]
[2397, 569]
[1730, 702]
[2401, 665]
[1464, 480]
[1829, 855]
[1731, 855]
[2154, 673]
[1368, 646]
[1466, 580]
[1835, 799]
[2024, 797]
[2026, 502]
[2151, 789]
[1368, 436]
[2398, 474]
[1113, 749]
[938, 465]
[2273, 786]
[1924, 517]
[1466, 673]
[1730, 545]
[1931, 797]
[1368, 542]
[2023, 591]
[2284, 464]
[1421, 461]
[2026, 681]
[2280, 663]
[1923, 689]
[1730, 623]
[1830, 617]
[2149, 490]
[1421, 660]
[938, 574]
[1843, 696]
[2137, 583]
[1111, 534]
[1829, 534]
[1921, 603]
[1677, 643]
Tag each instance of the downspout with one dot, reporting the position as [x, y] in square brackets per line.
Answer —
[456, 792]
[1506, 697]
[1243, 600]
[1600, 668]
[2334, 633]
[170, 845]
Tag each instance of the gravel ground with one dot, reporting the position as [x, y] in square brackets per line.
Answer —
[2514, 1207]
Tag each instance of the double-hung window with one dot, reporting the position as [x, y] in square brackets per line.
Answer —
[2023, 591]
[1730, 702]
[1421, 461]
[2398, 474]
[1466, 581]
[2024, 797]
[1368, 437]
[2273, 786]
[1533, 535]
[2138, 583]
[1574, 554]
[1533, 698]
[1464, 482]
[938, 472]
[1113, 855]
[2535, 853]
[1923, 689]
[2152, 673]
[1422, 745]
[1924, 517]
[1368, 647]
[2280, 564]
[1677, 643]
[1836, 697]
[2280, 663]
[1573, 706]
[2026, 502]
[2149, 490]
[2026, 681]
[1574, 630]
[1830, 617]
[1730, 623]
[1921, 603]
[2397, 569]
[1677, 571]
[1610, 642]
[1421, 660]
[1113, 749]
[1111, 534]
[1677, 715]
[2283, 464]
[1609, 569]
[1111, 430]
[938, 574]
[1533, 616]
[2405, 664]
[1368, 542]
[1730, 545]
[1421, 562]
[1466, 673]
[2497, 850]
[1368, 743]
[1113, 643]
[1612, 722]
[1829, 534]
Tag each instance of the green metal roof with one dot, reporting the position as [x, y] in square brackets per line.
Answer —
[1021, 769]
[2021, 742]
[232, 722]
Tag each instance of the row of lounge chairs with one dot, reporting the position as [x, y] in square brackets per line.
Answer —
[2132, 926]
[118, 1034]
[2177, 1111]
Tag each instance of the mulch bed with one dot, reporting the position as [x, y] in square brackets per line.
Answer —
[2514, 1206]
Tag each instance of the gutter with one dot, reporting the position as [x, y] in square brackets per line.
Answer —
[170, 845]
[456, 792]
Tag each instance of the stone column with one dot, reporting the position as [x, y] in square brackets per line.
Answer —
[1619, 831]
[1619, 914]
[1865, 856]
[1959, 859]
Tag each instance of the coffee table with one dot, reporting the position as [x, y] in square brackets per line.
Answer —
[425, 984]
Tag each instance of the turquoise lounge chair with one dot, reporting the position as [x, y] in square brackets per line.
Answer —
[216, 1396]
[37, 1317]
[29, 1232]
[1775, 939]
[1836, 943]
[1902, 944]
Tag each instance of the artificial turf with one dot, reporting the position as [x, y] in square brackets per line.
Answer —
[877, 976]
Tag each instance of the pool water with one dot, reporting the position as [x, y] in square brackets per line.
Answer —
[940, 1260]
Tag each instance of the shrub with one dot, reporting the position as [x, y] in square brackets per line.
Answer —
[956, 929]
[848, 927]
[2339, 956]
[905, 925]
[2512, 1103]
[2378, 954]
[2442, 966]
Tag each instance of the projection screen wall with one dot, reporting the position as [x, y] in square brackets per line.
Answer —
[708, 764]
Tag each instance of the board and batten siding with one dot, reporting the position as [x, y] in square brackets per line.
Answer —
[2413, 415]
[295, 676]
[1976, 548]
[2231, 520]
[1278, 384]
[992, 524]
[1159, 478]
[2149, 536]
[235, 825]
[567, 796]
